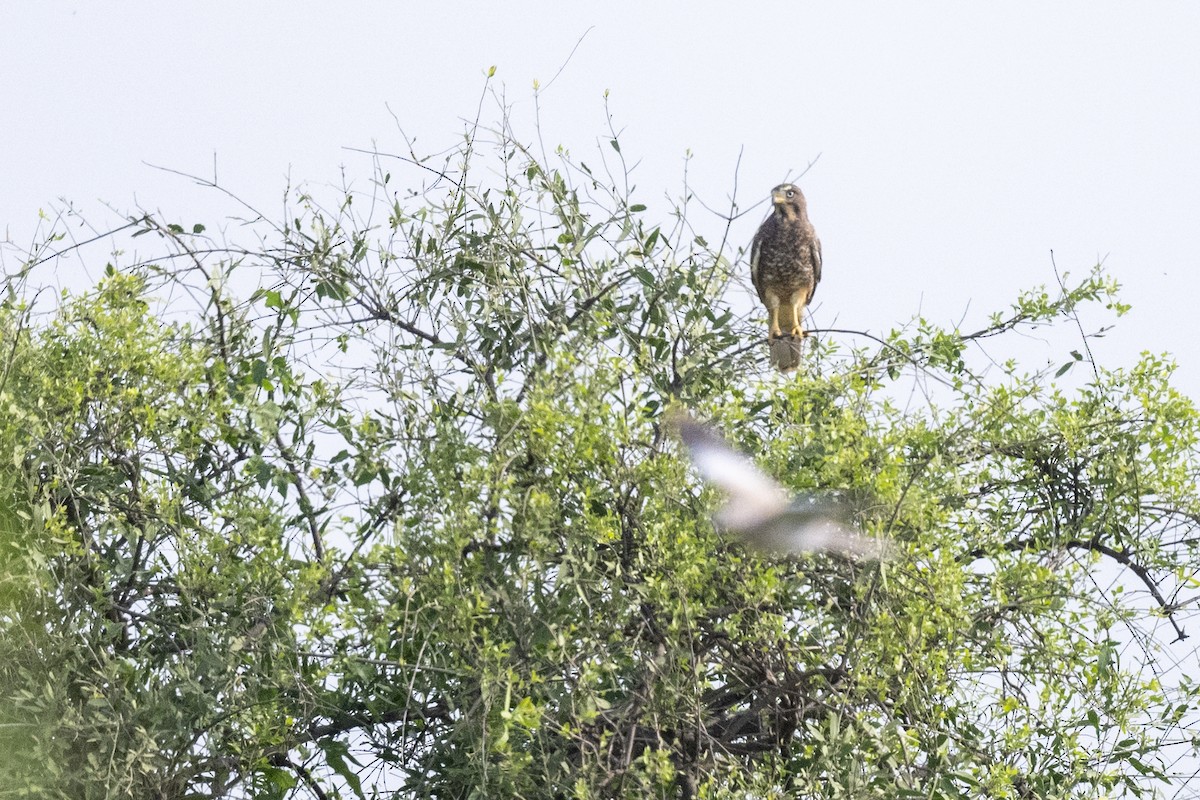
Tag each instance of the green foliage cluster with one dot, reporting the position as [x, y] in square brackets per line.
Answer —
[385, 506]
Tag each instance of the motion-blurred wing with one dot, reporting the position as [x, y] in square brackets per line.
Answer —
[757, 507]
[752, 498]
[812, 525]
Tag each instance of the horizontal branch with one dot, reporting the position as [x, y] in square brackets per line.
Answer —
[1123, 557]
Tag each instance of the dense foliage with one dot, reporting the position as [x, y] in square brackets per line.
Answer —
[383, 505]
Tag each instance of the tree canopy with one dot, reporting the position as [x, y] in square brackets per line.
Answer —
[377, 500]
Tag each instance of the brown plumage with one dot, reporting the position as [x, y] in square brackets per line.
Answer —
[785, 267]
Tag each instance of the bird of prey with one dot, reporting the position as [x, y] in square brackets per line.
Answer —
[785, 267]
[759, 510]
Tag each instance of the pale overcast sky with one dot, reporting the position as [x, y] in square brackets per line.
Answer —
[958, 143]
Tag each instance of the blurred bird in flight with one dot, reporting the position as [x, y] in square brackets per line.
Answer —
[760, 511]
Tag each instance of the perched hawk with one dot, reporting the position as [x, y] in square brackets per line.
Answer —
[760, 511]
[785, 266]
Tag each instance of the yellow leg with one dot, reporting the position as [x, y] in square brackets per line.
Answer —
[775, 330]
[797, 320]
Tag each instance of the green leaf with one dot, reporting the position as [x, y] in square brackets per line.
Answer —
[336, 756]
[651, 240]
[409, 490]
[279, 781]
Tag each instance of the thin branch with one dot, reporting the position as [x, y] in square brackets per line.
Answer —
[306, 506]
[1075, 318]
[1125, 558]
[406, 159]
[309, 779]
[57, 253]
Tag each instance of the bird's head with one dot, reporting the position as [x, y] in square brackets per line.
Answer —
[788, 200]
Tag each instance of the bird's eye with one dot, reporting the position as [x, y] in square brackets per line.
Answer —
[790, 193]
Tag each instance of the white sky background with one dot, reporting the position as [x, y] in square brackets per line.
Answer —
[959, 143]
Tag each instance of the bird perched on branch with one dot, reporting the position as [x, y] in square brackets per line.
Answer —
[785, 267]
[760, 511]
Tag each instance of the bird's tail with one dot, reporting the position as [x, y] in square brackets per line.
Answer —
[785, 352]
